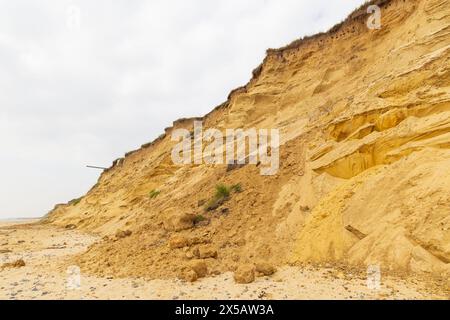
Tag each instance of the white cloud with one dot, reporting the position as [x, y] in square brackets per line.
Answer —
[74, 95]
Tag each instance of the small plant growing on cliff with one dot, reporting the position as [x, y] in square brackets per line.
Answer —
[222, 194]
[236, 188]
[154, 193]
[199, 218]
[222, 191]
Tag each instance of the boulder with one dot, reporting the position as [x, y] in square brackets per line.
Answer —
[200, 268]
[18, 263]
[245, 274]
[178, 242]
[189, 275]
[123, 234]
[15, 264]
[179, 221]
[196, 252]
[207, 252]
[265, 268]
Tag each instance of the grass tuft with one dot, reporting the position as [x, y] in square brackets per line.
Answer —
[154, 193]
[199, 218]
[223, 193]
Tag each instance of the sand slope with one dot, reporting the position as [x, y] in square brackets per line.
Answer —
[364, 176]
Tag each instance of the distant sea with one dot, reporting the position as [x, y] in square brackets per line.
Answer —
[19, 219]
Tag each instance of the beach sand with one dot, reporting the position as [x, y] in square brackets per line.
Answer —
[47, 274]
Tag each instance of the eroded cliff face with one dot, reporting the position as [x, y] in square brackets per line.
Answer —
[364, 177]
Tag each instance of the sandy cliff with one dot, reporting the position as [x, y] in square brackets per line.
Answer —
[364, 177]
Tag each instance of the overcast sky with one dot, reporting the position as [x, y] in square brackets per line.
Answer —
[82, 82]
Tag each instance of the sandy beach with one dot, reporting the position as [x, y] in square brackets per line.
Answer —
[47, 274]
